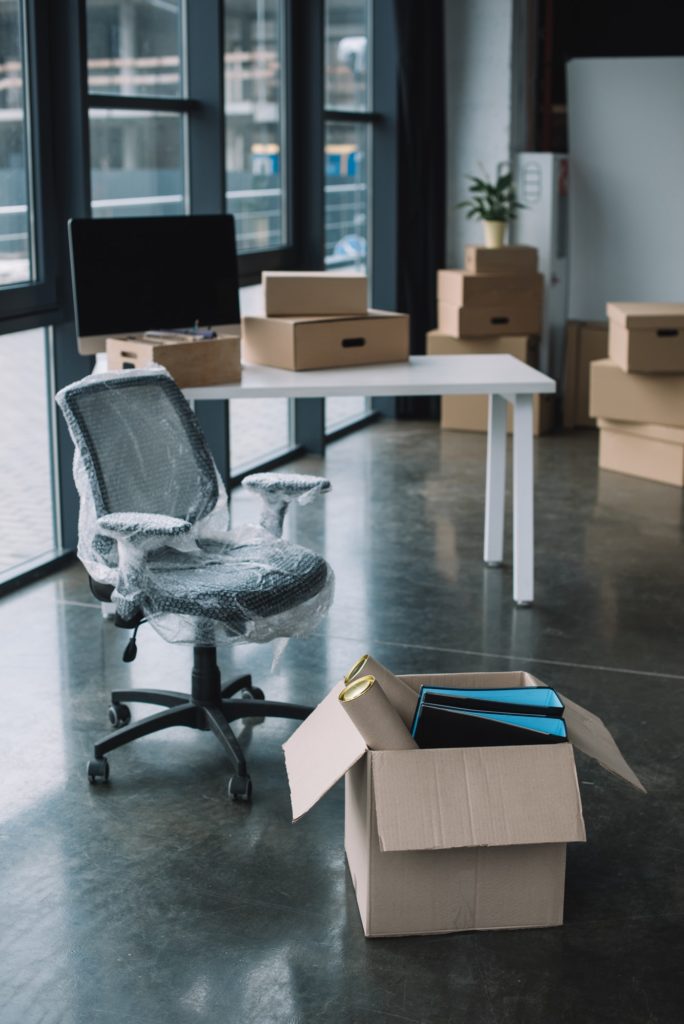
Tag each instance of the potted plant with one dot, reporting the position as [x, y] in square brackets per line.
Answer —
[494, 203]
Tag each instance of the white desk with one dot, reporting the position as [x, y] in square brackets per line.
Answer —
[503, 378]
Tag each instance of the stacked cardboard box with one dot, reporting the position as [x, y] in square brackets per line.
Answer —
[637, 393]
[318, 320]
[493, 306]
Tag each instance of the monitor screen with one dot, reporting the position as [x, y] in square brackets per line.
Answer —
[149, 273]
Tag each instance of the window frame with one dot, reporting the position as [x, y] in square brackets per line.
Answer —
[58, 103]
[31, 298]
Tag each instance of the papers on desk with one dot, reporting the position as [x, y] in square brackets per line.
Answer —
[446, 717]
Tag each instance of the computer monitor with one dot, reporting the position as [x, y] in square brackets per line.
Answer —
[134, 274]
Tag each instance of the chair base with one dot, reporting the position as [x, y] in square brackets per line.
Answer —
[209, 707]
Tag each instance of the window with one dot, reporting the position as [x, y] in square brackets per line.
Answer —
[255, 123]
[346, 195]
[134, 47]
[27, 517]
[136, 159]
[16, 242]
[347, 54]
[147, 107]
[136, 117]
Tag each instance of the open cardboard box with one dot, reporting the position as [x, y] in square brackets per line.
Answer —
[456, 839]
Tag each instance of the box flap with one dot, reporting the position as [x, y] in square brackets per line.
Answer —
[460, 797]
[588, 733]
[320, 751]
[472, 680]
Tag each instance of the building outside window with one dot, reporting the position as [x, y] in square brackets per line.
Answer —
[16, 241]
[254, 100]
[255, 169]
[135, 50]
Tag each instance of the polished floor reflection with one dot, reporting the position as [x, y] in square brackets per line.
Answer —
[155, 899]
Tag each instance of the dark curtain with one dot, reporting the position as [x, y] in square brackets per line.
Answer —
[421, 173]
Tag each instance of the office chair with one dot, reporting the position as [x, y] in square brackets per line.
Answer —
[154, 538]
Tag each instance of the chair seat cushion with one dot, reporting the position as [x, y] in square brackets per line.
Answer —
[234, 583]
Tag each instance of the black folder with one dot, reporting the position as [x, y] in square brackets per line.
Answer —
[446, 726]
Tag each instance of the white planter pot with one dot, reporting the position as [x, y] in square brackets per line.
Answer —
[494, 231]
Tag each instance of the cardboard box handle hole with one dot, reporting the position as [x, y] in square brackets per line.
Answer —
[353, 342]
[499, 320]
[667, 332]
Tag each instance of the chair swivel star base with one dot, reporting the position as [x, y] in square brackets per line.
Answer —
[209, 706]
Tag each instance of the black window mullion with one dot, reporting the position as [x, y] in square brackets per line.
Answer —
[384, 193]
[308, 208]
[307, 132]
[204, 64]
[355, 116]
[71, 154]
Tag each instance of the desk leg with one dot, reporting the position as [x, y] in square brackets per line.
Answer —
[495, 499]
[523, 502]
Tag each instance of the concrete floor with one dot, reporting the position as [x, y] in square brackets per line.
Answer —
[155, 899]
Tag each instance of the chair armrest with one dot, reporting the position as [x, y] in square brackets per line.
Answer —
[277, 490]
[137, 534]
[141, 526]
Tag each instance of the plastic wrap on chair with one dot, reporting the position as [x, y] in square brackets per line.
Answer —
[154, 522]
[278, 490]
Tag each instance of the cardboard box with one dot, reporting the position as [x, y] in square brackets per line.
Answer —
[646, 337]
[192, 362]
[636, 398]
[523, 346]
[470, 412]
[310, 343]
[459, 288]
[517, 316]
[642, 449]
[450, 840]
[509, 259]
[314, 293]
[584, 342]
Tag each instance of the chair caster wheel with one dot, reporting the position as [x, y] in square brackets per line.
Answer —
[240, 787]
[119, 715]
[252, 693]
[98, 770]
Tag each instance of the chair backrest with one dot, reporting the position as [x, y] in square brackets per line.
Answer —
[140, 445]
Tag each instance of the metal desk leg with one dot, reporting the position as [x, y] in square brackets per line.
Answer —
[523, 502]
[496, 481]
